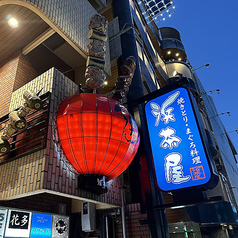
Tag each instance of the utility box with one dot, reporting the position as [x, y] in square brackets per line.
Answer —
[88, 217]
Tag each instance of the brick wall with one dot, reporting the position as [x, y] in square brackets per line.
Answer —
[14, 73]
[22, 176]
[7, 76]
[40, 203]
[135, 227]
[25, 72]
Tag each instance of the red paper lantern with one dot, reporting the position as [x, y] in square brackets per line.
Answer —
[97, 134]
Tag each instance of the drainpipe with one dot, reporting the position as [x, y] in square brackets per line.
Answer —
[123, 216]
[107, 234]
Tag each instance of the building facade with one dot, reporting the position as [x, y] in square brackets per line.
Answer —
[47, 54]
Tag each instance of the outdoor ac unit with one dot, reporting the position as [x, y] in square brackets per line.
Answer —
[88, 216]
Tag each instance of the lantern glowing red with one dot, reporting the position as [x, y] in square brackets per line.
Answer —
[97, 134]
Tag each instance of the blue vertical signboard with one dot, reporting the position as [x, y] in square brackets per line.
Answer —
[179, 156]
[41, 225]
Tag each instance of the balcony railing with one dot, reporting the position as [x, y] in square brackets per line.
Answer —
[31, 139]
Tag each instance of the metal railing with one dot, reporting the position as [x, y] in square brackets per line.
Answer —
[31, 139]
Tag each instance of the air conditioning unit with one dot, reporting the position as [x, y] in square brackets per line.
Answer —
[88, 216]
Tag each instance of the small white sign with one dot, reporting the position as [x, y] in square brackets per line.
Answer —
[18, 224]
[3, 219]
[60, 226]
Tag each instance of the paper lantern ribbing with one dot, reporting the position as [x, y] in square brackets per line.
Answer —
[97, 134]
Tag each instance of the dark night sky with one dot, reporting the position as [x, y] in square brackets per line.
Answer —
[209, 32]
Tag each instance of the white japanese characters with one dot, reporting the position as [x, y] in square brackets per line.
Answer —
[164, 113]
[174, 170]
[17, 221]
[194, 153]
[172, 162]
[170, 140]
[177, 146]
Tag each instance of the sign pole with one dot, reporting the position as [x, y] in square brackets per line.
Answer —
[156, 218]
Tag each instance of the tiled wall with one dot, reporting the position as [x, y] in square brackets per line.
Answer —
[25, 72]
[14, 73]
[71, 17]
[115, 43]
[22, 176]
[58, 176]
[44, 82]
[7, 75]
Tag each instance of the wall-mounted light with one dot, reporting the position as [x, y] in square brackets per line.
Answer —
[12, 22]
[233, 131]
[223, 113]
[205, 65]
[211, 91]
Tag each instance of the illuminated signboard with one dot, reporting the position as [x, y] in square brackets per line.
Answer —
[41, 225]
[3, 218]
[60, 226]
[18, 222]
[24, 224]
[179, 156]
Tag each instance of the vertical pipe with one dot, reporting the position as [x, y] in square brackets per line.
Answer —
[157, 219]
[123, 217]
[106, 220]
[102, 227]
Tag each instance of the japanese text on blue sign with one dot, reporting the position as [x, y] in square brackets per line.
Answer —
[179, 157]
[41, 225]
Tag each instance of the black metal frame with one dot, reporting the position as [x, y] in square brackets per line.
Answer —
[12, 155]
